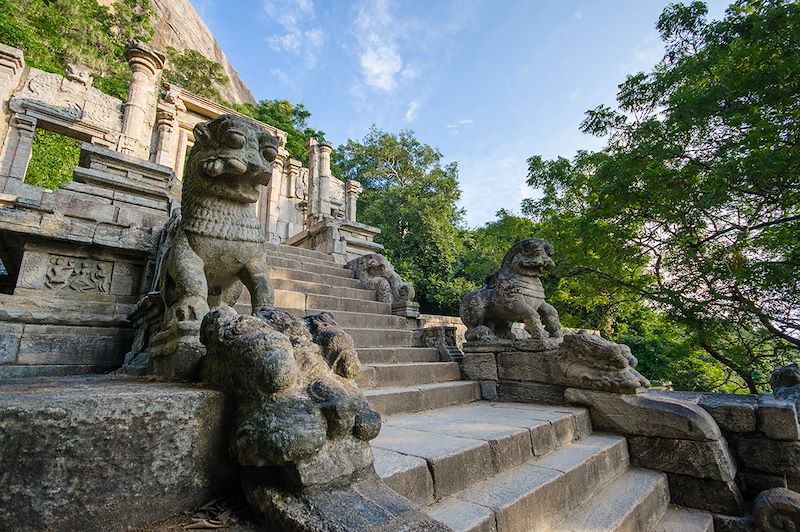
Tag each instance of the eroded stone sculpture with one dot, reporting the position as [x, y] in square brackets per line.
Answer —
[376, 273]
[589, 361]
[785, 381]
[214, 243]
[301, 427]
[513, 294]
[777, 509]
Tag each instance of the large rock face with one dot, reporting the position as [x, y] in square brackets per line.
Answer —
[177, 24]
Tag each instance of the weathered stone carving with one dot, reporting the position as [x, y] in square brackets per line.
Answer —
[376, 273]
[785, 381]
[301, 427]
[443, 338]
[777, 510]
[589, 361]
[512, 294]
[214, 243]
[80, 275]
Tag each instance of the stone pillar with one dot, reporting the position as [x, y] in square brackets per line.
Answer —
[324, 178]
[292, 177]
[138, 111]
[271, 208]
[180, 153]
[313, 177]
[168, 128]
[12, 63]
[352, 192]
[19, 146]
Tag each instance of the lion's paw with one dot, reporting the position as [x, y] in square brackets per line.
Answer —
[191, 308]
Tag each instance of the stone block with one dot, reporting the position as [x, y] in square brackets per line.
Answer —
[704, 459]
[530, 392]
[498, 346]
[733, 523]
[777, 418]
[10, 334]
[463, 515]
[65, 344]
[646, 415]
[479, 366]
[733, 413]
[754, 483]
[769, 456]
[533, 366]
[489, 390]
[99, 453]
[714, 496]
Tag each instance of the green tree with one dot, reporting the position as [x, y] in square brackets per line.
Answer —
[410, 194]
[54, 33]
[54, 159]
[196, 73]
[289, 117]
[694, 204]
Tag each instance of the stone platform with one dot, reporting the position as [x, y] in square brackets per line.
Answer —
[106, 452]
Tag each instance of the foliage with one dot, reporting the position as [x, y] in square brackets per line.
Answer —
[54, 33]
[694, 204]
[411, 196]
[196, 73]
[53, 159]
[485, 246]
[291, 118]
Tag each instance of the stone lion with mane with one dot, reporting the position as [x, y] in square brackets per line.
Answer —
[513, 294]
[216, 239]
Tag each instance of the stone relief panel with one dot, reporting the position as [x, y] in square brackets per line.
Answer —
[70, 100]
[79, 275]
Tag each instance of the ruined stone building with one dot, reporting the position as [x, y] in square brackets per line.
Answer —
[74, 259]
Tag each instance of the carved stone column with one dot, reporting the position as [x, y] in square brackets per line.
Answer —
[19, 147]
[12, 63]
[270, 208]
[352, 192]
[324, 178]
[139, 110]
[167, 127]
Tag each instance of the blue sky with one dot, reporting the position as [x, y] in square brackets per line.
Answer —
[488, 82]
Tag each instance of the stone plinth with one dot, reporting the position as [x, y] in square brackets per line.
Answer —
[102, 453]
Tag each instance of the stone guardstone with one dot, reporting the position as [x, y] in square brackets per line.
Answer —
[646, 414]
[777, 418]
[536, 366]
[175, 353]
[704, 459]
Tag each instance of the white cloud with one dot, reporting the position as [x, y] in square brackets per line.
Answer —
[411, 112]
[456, 126]
[300, 38]
[281, 76]
[379, 55]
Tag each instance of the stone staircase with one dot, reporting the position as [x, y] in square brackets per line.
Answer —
[472, 464]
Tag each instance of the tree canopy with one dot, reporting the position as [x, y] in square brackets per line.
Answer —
[410, 194]
[289, 117]
[693, 206]
[196, 73]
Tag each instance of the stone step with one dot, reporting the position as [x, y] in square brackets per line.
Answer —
[422, 456]
[415, 373]
[634, 502]
[367, 320]
[397, 355]
[295, 274]
[298, 301]
[381, 337]
[332, 270]
[539, 493]
[306, 287]
[306, 260]
[405, 399]
[685, 520]
[299, 252]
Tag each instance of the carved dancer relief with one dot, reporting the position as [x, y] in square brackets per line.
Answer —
[79, 275]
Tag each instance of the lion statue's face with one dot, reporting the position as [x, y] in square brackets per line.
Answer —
[233, 156]
[530, 257]
[376, 265]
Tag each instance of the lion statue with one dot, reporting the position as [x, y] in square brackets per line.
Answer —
[376, 273]
[216, 240]
[513, 294]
